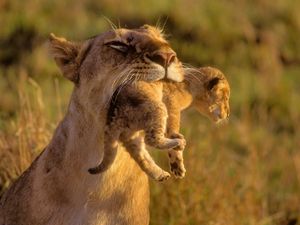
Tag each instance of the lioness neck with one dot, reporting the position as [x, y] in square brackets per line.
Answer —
[63, 173]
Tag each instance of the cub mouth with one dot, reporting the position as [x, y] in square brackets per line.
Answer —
[218, 117]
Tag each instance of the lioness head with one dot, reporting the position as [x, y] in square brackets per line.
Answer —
[210, 91]
[100, 64]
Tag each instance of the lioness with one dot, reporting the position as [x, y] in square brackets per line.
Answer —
[145, 106]
[56, 188]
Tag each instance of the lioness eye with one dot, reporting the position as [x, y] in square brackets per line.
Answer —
[120, 46]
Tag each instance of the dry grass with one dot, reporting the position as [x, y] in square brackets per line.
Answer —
[239, 173]
[244, 173]
[253, 182]
[25, 136]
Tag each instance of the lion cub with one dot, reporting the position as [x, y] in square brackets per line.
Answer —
[205, 89]
[155, 109]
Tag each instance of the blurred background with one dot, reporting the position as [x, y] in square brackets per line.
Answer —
[244, 172]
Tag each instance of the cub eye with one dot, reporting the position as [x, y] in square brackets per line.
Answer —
[118, 45]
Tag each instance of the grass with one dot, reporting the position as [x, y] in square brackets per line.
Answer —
[245, 172]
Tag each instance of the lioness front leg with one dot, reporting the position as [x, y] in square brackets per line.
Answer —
[135, 145]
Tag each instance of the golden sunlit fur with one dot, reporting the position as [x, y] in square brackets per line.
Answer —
[145, 106]
[138, 107]
[57, 189]
[205, 89]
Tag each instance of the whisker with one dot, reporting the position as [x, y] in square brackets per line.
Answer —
[123, 74]
[157, 25]
[122, 86]
[163, 27]
[123, 78]
[192, 76]
[119, 80]
[112, 25]
[187, 65]
[192, 72]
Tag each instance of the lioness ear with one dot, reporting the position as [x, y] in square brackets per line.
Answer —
[65, 54]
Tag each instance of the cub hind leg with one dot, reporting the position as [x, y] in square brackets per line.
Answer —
[135, 145]
[176, 163]
[176, 159]
[156, 129]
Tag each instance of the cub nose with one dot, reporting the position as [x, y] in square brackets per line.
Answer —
[163, 58]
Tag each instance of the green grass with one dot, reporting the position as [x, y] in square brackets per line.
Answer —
[245, 172]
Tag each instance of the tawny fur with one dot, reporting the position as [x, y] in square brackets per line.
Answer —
[56, 188]
[138, 107]
[155, 109]
[205, 89]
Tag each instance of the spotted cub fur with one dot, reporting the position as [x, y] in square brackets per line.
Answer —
[154, 108]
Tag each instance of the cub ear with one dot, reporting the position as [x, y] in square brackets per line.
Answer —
[65, 54]
[213, 82]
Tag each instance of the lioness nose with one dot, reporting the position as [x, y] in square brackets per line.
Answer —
[163, 58]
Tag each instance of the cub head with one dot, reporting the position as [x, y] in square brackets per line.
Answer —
[210, 91]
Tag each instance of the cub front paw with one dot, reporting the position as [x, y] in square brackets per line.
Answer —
[177, 135]
[181, 145]
[163, 176]
[181, 141]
